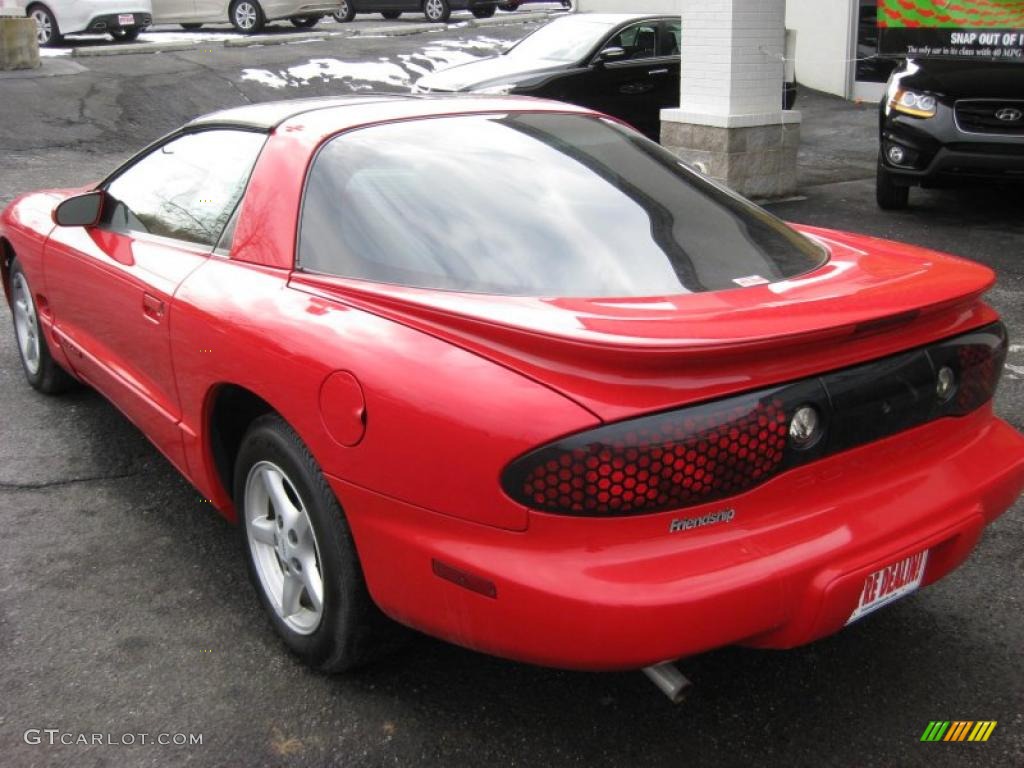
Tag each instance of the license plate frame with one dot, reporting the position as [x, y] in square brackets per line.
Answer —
[889, 584]
[126, 19]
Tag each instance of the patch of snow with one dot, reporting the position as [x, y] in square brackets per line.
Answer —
[397, 72]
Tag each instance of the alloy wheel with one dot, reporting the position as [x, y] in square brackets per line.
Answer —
[26, 324]
[284, 548]
[434, 10]
[44, 29]
[245, 15]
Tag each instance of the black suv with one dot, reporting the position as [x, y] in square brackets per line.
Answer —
[943, 122]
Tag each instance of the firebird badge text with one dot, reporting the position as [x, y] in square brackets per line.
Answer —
[688, 523]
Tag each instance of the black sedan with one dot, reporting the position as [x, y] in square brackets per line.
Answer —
[626, 65]
[950, 122]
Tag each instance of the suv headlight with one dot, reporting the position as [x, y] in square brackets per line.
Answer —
[913, 103]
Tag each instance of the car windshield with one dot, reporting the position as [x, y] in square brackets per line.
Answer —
[533, 204]
[567, 39]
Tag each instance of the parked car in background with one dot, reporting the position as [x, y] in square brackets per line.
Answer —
[622, 64]
[434, 10]
[946, 122]
[247, 16]
[121, 19]
[631, 418]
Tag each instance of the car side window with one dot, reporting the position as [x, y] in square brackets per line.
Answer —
[186, 189]
[671, 40]
[639, 41]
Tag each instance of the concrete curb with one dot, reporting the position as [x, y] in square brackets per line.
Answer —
[246, 42]
[396, 30]
[129, 48]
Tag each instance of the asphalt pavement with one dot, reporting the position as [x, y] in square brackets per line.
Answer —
[124, 608]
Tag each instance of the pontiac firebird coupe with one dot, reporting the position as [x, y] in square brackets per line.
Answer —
[629, 419]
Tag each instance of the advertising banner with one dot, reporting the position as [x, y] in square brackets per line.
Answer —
[989, 30]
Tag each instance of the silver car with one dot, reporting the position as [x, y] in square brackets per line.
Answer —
[247, 16]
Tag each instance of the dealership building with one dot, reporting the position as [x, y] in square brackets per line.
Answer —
[831, 43]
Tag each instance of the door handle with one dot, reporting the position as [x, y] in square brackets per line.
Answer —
[152, 307]
[658, 72]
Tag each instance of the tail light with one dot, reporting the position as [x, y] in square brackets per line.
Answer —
[715, 450]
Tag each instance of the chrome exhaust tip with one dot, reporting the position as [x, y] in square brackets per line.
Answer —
[670, 680]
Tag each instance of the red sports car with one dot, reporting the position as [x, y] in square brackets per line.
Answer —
[632, 418]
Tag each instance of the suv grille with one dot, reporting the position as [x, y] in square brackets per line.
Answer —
[995, 116]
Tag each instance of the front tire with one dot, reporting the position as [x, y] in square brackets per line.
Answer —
[484, 11]
[41, 370]
[305, 22]
[247, 16]
[47, 31]
[300, 552]
[889, 195]
[345, 13]
[437, 11]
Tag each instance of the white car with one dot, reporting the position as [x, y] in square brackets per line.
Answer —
[247, 16]
[121, 19]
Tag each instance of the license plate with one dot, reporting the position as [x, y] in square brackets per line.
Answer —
[126, 19]
[890, 584]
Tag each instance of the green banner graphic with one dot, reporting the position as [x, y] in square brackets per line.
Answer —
[976, 29]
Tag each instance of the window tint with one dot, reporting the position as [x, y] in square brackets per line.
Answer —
[533, 205]
[640, 41]
[672, 40]
[186, 189]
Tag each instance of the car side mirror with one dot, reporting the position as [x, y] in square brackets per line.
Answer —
[81, 210]
[608, 55]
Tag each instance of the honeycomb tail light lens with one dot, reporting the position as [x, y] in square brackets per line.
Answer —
[667, 460]
[703, 453]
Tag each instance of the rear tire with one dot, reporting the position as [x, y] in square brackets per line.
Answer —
[300, 553]
[437, 11]
[345, 13]
[247, 16]
[125, 35]
[47, 31]
[484, 11]
[889, 195]
[41, 370]
[391, 15]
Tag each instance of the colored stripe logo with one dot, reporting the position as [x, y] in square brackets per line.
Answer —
[959, 730]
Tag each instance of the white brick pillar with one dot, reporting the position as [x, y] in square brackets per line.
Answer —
[730, 119]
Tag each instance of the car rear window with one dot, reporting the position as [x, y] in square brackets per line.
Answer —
[533, 204]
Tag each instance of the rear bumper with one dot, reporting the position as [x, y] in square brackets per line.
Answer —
[109, 21]
[625, 593]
